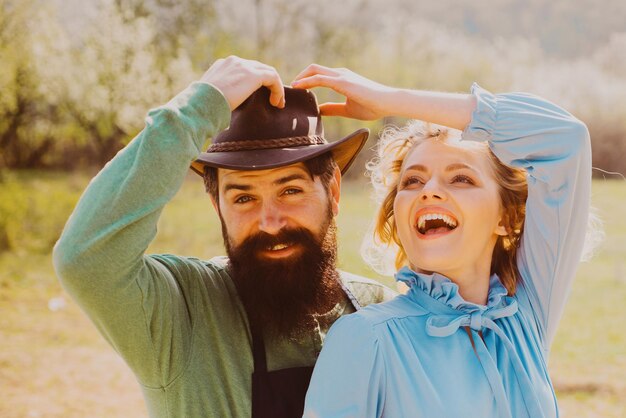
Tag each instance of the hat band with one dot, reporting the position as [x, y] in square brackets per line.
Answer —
[266, 143]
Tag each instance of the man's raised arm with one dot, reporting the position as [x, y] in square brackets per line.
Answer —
[100, 255]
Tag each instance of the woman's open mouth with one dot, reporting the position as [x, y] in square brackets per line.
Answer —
[431, 224]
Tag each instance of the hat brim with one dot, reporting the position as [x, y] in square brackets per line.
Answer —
[344, 152]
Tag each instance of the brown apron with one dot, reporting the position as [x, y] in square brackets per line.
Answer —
[279, 393]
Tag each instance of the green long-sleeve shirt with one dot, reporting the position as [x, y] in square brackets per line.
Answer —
[177, 321]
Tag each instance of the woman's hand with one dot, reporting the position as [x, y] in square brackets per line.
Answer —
[368, 100]
[365, 99]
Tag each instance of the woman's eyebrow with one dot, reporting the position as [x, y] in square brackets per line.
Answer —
[459, 166]
[451, 167]
[417, 167]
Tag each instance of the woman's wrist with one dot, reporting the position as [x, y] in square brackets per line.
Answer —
[453, 110]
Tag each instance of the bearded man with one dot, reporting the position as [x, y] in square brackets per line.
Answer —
[233, 336]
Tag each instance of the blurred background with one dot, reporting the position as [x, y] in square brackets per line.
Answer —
[77, 78]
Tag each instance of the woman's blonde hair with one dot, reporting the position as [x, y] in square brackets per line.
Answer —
[384, 169]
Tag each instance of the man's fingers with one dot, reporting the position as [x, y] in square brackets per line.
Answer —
[314, 69]
[333, 109]
[277, 98]
[277, 89]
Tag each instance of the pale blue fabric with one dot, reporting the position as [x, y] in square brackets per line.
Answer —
[413, 357]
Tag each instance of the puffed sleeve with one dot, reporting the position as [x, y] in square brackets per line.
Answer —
[349, 377]
[554, 148]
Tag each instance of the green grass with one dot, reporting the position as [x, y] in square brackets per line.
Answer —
[588, 359]
[54, 364]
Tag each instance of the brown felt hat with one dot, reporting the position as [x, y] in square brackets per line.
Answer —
[261, 136]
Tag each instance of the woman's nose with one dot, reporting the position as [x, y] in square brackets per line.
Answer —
[432, 190]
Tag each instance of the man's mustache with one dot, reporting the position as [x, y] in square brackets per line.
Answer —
[263, 240]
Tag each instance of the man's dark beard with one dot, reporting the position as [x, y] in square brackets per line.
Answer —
[280, 295]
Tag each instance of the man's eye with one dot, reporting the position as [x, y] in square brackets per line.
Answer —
[292, 190]
[243, 199]
[461, 178]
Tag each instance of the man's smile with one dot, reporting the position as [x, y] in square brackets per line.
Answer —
[281, 250]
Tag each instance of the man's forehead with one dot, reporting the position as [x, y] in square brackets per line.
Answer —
[227, 176]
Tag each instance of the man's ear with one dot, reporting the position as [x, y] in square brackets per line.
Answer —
[334, 190]
[215, 204]
[215, 201]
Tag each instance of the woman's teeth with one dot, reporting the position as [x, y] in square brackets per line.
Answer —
[449, 221]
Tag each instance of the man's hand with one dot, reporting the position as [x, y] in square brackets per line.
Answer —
[238, 78]
[365, 99]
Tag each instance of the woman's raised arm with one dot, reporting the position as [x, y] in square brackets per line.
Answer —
[369, 100]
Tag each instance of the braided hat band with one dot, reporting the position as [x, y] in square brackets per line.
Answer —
[256, 144]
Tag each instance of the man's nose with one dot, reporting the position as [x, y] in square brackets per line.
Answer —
[271, 219]
[433, 190]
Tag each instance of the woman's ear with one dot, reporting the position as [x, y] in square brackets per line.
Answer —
[501, 228]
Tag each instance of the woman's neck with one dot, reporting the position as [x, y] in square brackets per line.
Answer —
[476, 292]
[473, 285]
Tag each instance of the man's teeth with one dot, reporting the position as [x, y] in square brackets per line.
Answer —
[421, 221]
[278, 247]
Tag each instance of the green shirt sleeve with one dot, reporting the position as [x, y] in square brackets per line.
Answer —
[135, 299]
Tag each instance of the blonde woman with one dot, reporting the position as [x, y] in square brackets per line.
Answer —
[488, 212]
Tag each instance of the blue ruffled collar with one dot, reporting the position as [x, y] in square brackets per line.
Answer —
[443, 290]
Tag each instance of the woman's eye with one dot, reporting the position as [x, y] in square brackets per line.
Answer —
[409, 181]
[461, 178]
[243, 199]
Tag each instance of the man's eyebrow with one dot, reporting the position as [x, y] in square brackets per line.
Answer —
[287, 179]
[278, 182]
[234, 186]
